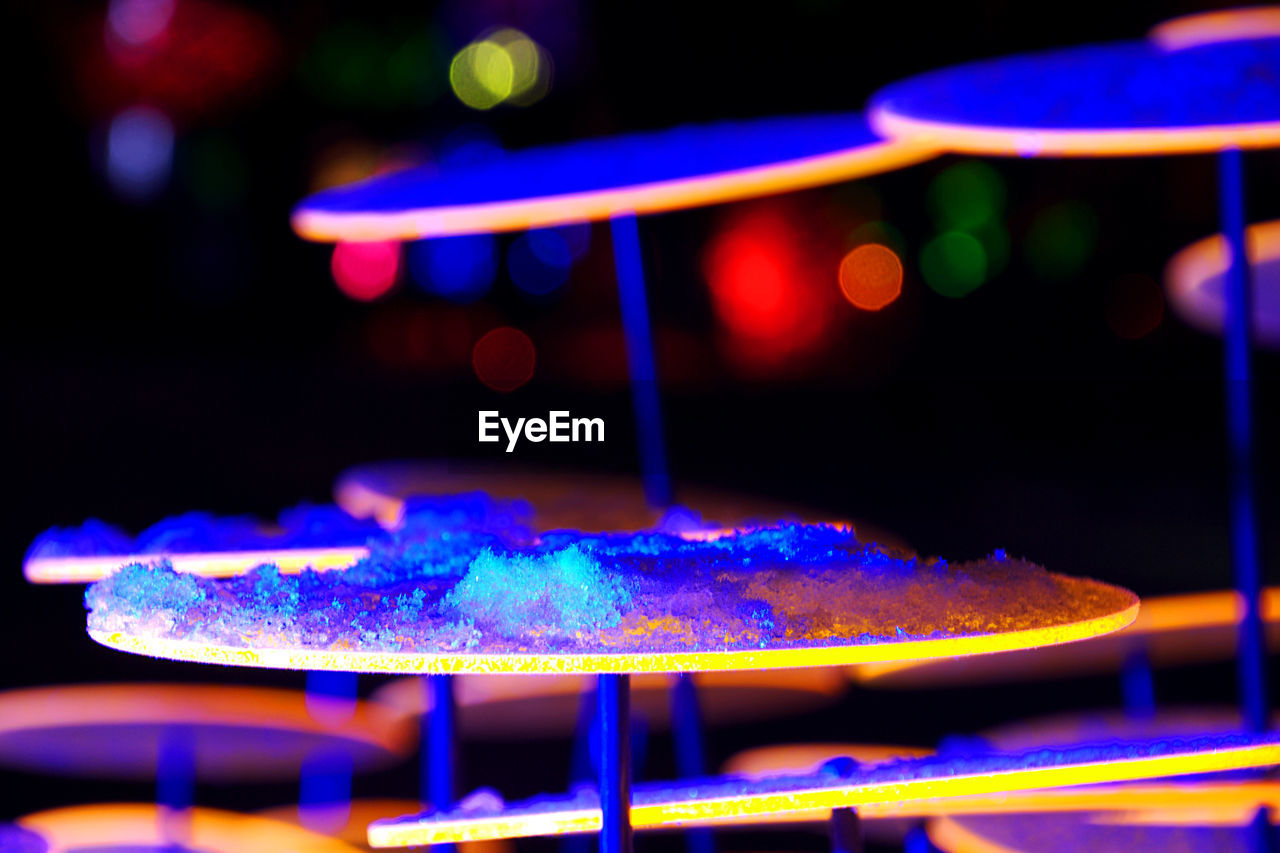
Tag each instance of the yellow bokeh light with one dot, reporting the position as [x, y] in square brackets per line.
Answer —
[505, 66]
[482, 75]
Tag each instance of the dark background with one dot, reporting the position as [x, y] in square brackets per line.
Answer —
[171, 355]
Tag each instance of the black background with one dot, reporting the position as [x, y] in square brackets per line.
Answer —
[1013, 418]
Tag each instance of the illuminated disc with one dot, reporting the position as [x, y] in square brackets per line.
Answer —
[216, 564]
[1122, 99]
[516, 707]
[1108, 608]
[657, 805]
[1247, 22]
[1194, 279]
[1170, 630]
[595, 179]
[1190, 828]
[358, 814]
[587, 502]
[231, 733]
[136, 828]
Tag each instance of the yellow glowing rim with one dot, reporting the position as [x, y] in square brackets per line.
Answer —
[1187, 272]
[1039, 142]
[68, 706]
[682, 810]
[1243, 24]
[1154, 802]
[1160, 616]
[215, 564]
[621, 662]
[658, 197]
[124, 824]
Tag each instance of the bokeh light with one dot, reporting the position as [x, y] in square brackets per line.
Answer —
[877, 231]
[539, 261]
[871, 276]
[356, 65]
[504, 66]
[137, 22]
[504, 359]
[1134, 306]
[954, 264]
[966, 196]
[366, 271]
[460, 269]
[139, 153]
[1061, 239]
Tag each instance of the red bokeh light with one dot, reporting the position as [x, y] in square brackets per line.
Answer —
[504, 359]
[766, 289]
[365, 271]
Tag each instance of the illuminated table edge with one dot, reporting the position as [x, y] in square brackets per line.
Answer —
[1216, 26]
[640, 199]
[212, 564]
[603, 663]
[1159, 616]
[1190, 267]
[411, 831]
[371, 724]
[1016, 141]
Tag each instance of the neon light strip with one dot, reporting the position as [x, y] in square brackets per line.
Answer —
[654, 807]
[215, 564]
[1216, 27]
[1062, 142]
[521, 214]
[620, 662]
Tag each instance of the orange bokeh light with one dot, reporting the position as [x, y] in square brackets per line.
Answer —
[504, 359]
[871, 276]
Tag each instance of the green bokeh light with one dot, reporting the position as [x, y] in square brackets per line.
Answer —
[966, 196]
[954, 264]
[1061, 239]
[877, 232]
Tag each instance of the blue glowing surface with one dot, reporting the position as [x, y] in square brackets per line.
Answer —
[303, 526]
[15, 839]
[429, 590]
[1120, 86]
[602, 164]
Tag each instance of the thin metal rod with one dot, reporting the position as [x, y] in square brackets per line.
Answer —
[629, 265]
[691, 761]
[846, 831]
[1237, 349]
[438, 762]
[1138, 686]
[613, 694]
[176, 784]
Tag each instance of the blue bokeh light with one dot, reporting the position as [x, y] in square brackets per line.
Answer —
[460, 269]
[539, 261]
[139, 153]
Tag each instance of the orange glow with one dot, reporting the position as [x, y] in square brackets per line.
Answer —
[1188, 273]
[218, 564]
[679, 808]
[121, 825]
[643, 199]
[504, 359]
[1253, 22]
[347, 660]
[69, 706]
[364, 812]
[871, 276]
[364, 271]
[1171, 630]
[513, 707]
[1037, 142]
